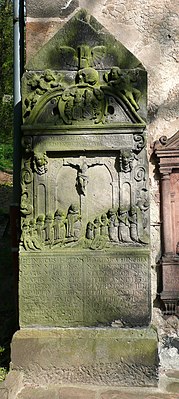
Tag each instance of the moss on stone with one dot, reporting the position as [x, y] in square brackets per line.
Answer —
[95, 34]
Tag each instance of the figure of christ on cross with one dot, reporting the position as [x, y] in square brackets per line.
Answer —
[82, 180]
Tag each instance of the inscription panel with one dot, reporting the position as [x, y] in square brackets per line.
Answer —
[171, 277]
[83, 142]
[85, 289]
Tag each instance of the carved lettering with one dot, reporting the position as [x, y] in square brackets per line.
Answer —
[84, 142]
[100, 287]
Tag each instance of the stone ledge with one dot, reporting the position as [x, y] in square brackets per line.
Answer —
[106, 356]
[57, 392]
[169, 380]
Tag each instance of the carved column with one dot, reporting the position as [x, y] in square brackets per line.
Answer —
[166, 214]
[167, 151]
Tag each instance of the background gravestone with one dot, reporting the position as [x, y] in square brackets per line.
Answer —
[167, 152]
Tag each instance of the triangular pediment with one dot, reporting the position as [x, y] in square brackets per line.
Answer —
[173, 142]
[61, 52]
[167, 144]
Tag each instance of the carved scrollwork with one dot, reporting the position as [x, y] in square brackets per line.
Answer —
[27, 144]
[139, 142]
[140, 173]
[163, 140]
[26, 175]
[26, 179]
[142, 205]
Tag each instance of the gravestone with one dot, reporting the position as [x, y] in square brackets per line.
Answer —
[167, 153]
[84, 250]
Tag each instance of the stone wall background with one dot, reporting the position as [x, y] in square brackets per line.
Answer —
[150, 30]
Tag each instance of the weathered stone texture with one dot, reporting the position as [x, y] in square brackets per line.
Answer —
[38, 393]
[86, 393]
[3, 393]
[39, 33]
[54, 8]
[12, 385]
[150, 31]
[57, 393]
[117, 357]
[133, 395]
[168, 331]
[88, 292]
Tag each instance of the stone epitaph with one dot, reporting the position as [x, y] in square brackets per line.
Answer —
[168, 155]
[84, 249]
[84, 252]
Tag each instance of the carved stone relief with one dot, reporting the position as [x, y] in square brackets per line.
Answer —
[84, 204]
[90, 99]
[85, 97]
[110, 200]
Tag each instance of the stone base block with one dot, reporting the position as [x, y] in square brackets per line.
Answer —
[93, 356]
[95, 393]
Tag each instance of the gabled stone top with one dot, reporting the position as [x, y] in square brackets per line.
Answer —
[61, 52]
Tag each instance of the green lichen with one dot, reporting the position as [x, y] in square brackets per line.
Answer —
[50, 55]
